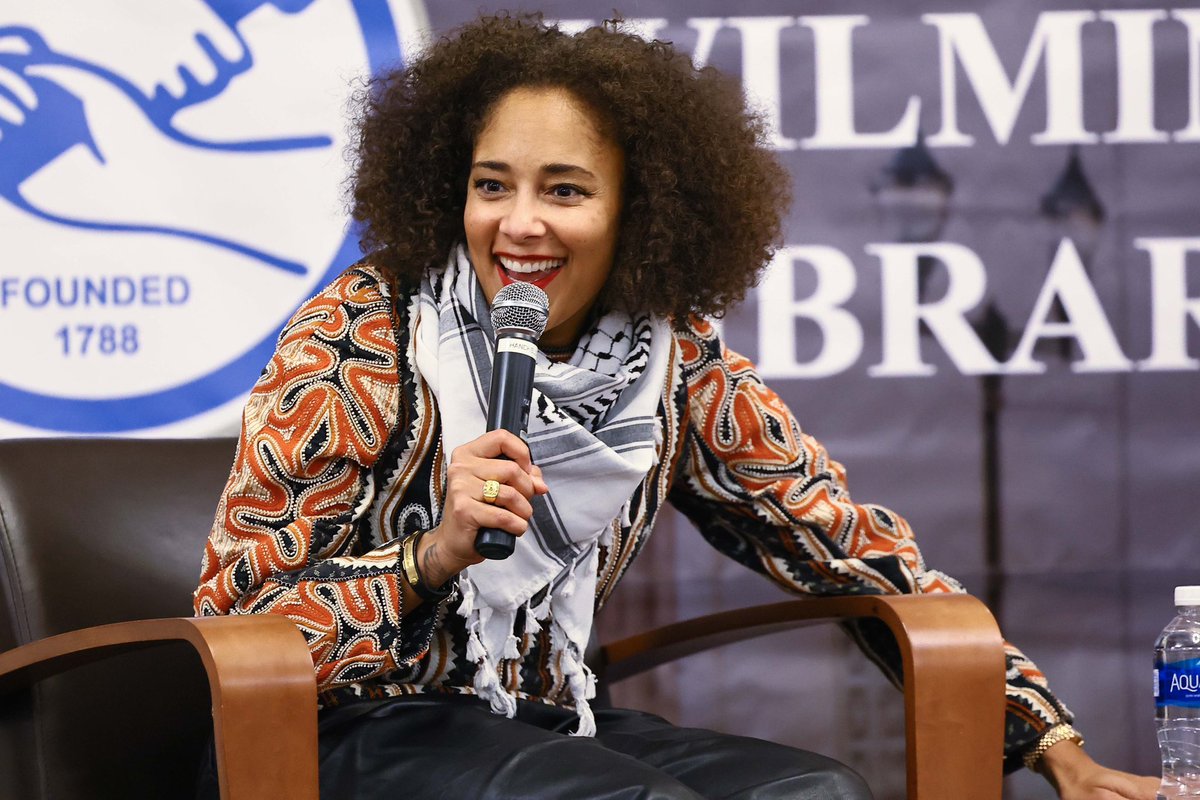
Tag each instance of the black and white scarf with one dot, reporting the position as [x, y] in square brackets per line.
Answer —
[594, 432]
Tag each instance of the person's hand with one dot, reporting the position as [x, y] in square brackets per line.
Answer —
[23, 100]
[450, 547]
[118, 173]
[39, 118]
[1076, 776]
[150, 43]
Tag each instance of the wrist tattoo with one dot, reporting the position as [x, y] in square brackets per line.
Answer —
[431, 566]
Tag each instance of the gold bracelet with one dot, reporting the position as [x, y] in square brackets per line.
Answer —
[1056, 734]
[408, 561]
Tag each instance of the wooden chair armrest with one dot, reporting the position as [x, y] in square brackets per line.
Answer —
[954, 683]
[260, 674]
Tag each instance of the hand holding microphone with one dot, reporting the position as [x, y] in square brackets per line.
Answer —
[491, 480]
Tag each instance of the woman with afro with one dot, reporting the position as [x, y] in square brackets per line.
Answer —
[636, 192]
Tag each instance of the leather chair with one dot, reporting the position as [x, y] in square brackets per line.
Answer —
[108, 688]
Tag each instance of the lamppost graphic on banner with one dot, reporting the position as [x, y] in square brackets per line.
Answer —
[912, 195]
[1075, 213]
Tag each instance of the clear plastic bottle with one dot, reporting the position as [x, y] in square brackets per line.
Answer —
[1177, 697]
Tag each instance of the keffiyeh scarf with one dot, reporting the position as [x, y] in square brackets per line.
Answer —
[592, 429]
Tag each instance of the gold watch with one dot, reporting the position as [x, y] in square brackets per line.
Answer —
[1056, 734]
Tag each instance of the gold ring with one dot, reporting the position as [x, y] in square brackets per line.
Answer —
[491, 490]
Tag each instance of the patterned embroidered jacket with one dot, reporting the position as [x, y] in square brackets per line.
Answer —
[340, 457]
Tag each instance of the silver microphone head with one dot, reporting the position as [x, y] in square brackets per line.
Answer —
[520, 308]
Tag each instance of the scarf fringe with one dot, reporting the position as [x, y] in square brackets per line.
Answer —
[487, 674]
[512, 647]
[536, 615]
[580, 680]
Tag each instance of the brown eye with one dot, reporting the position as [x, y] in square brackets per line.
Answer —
[566, 191]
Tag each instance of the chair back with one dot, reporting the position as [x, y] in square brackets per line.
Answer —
[94, 531]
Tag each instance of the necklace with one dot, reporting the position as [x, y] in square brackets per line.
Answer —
[558, 353]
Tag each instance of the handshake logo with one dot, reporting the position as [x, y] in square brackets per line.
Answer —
[170, 190]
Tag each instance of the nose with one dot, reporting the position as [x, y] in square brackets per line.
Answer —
[523, 218]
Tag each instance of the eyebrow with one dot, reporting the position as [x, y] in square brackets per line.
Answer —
[552, 169]
[564, 169]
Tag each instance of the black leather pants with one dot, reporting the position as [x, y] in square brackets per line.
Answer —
[454, 748]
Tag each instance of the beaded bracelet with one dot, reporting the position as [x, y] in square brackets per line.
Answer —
[412, 574]
[1056, 734]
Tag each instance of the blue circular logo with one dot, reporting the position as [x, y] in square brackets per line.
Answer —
[171, 188]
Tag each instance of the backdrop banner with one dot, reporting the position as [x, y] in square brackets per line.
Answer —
[987, 304]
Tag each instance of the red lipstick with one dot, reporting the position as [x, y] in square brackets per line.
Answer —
[541, 281]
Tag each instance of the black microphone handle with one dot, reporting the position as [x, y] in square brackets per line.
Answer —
[508, 408]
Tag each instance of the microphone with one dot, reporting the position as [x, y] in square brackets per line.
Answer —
[519, 314]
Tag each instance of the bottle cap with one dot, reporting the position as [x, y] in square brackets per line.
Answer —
[1187, 595]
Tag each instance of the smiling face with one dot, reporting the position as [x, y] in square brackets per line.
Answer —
[544, 204]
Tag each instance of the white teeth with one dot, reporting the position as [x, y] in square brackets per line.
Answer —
[526, 267]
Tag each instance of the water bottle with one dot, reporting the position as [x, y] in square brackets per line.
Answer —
[1177, 697]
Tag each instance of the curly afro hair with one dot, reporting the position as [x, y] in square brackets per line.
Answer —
[703, 196]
